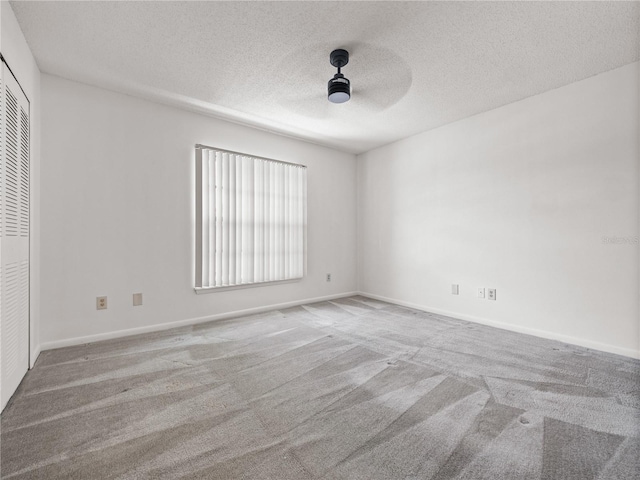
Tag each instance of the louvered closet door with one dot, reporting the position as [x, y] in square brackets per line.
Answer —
[14, 235]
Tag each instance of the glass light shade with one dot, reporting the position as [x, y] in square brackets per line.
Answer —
[339, 97]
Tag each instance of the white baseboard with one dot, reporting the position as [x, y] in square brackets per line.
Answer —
[68, 342]
[603, 347]
[34, 356]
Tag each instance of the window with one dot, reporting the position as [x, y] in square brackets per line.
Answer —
[251, 216]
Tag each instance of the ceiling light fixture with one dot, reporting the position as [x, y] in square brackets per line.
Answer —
[339, 86]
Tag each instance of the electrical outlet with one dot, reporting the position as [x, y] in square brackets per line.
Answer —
[492, 294]
[101, 303]
[454, 289]
[328, 277]
[137, 299]
[480, 292]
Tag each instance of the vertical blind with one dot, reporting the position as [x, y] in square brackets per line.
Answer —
[250, 219]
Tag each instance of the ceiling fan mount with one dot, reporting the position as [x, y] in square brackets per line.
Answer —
[339, 58]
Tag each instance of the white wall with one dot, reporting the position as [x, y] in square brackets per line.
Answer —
[16, 52]
[518, 199]
[118, 213]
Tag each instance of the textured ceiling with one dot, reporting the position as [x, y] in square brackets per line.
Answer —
[414, 65]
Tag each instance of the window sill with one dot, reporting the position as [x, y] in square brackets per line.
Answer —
[226, 288]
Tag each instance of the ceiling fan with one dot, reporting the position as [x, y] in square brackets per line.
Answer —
[339, 86]
[307, 93]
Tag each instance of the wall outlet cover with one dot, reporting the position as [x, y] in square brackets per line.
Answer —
[492, 294]
[455, 289]
[101, 303]
[137, 299]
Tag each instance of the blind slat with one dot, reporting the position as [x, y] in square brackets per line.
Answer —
[225, 219]
[218, 219]
[211, 164]
[259, 222]
[280, 270]
[249, 240]
[266, 221]
[271, 224]
[206, 218]
[232, 220]
[287, 219]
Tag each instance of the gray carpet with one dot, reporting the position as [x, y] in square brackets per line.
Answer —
[349, 389]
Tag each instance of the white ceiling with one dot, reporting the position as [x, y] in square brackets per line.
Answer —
[414, 65]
